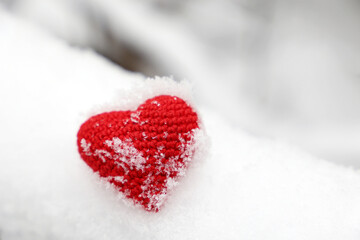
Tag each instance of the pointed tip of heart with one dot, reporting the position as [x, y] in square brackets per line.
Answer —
[143, 153]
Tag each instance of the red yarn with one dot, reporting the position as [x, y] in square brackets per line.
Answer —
[141, 152]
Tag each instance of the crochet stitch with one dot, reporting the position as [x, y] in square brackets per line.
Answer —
[142, 152]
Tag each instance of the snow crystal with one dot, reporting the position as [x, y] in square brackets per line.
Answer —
[157, 103]
[85, 146]
[135, 116]
[120, 179]
[102, 154]
[126, 152]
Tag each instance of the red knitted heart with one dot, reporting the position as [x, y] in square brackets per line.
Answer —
[142, 152]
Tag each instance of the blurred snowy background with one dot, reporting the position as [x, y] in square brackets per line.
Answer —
[282, 69]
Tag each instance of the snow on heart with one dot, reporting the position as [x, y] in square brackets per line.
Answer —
[143, 153]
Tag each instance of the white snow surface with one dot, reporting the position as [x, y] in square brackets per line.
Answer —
[246, 188]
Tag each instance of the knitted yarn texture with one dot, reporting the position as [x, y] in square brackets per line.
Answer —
[143, 153]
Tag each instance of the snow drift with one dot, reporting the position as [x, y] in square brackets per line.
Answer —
[246, 188]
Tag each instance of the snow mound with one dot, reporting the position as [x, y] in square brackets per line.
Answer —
[247, 188]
